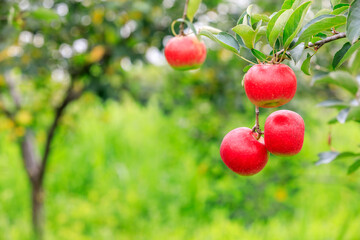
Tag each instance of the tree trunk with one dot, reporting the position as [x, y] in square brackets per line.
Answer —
[38, 210]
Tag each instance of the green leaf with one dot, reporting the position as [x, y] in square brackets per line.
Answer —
[305, 67]
[333, 104]
[290, 4]
[334, 2]
[340, 78]
[353, 167]
[340, 10]
[224, 39]
[354, 113]
[321, 35]
[345, 53]
[348, 54]
[246, 33]
[355, 63]
[44, 14]
[211, 29]
[297, 52]
[294, 23]
[241, 18]
[260, 32]
[256, 17]
[245, 69]
[272, 22]
[340, 54]
[319, 24]
[340, 5]
[327, 157]
[342, 116]
[193, 6]
[353, 22]
[259, 55]
[260, 17]
[323, 12]
[278, 26]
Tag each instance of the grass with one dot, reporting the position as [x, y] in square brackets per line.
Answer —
[131, 172]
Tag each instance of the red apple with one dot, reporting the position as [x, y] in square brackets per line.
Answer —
[284, 133]
[242, 153]
[270, 85]
[185, 52]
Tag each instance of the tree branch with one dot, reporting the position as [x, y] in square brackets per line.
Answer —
[320, 43]
[70, 96]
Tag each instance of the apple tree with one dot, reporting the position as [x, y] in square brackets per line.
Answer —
[266, 42]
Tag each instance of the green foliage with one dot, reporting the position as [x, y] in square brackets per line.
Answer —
[277, 24]
[192, 9]
[288, 4]
[154, 179]
[319, 24]
[44, 14]
[340, 78]
[339, 55]
[340, 8]
[305, 67]
[246, 33]
[294, 23]
[345, 53]
[259, 55]
[149, 167]
[224, 39]
[353, 167]
[353, 21]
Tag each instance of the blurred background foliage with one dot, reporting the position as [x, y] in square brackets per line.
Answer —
[137, 157]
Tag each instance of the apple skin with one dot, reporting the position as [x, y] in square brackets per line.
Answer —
[242, 153]
[185, 52]
[270, 85]
[284, 133]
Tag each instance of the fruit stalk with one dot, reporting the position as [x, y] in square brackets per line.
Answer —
[184, 18]
[256, 128]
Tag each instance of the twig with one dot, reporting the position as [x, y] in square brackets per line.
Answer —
[184, 18]
[320, 43]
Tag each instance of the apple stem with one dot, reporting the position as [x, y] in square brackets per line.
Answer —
[184, 18]
[256, 128]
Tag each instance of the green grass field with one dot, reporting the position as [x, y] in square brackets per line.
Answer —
[131, 172]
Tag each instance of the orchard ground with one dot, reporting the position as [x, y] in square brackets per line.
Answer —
[153, 180]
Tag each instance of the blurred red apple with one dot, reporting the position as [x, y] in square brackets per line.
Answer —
[284, 133]
[243, 153]
[185, 52]
[270, 85]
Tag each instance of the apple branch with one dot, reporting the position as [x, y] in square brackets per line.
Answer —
[184, 17]
[319, 43]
